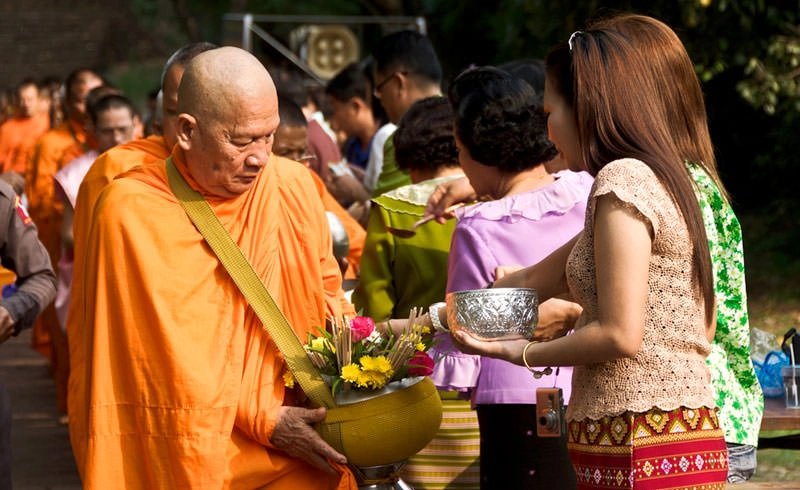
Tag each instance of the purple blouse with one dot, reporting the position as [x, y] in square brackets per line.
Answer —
[521, 229]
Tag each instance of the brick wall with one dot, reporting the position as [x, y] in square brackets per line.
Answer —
[39, 38]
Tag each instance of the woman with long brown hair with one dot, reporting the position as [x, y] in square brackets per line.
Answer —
[642, 413]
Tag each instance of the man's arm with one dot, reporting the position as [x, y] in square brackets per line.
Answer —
[24, 254]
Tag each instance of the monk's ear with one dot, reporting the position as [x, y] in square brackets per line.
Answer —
[187, 125]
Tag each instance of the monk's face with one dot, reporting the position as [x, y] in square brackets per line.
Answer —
[29, 100]
[76, 100]
[114, 126]
[227, 148]
[291, 142]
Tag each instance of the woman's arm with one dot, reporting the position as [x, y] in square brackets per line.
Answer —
[622, 250]
[548, 277]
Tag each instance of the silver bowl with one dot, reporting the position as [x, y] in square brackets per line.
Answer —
[494, 314]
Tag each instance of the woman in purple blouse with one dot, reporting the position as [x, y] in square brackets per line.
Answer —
[501, 134]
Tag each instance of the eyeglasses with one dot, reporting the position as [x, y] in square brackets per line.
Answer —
[377, 91]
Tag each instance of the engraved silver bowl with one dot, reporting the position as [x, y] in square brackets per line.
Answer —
[494, 314]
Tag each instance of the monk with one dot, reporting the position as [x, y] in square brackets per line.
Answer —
[45, 159]
[291, 141]
[138, 152]
[113, 121]
[176, 383]
[19, 134]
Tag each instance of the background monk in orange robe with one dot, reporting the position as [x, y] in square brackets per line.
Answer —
[19, 134]
[176, 384]
[291, 141]
[46, 158]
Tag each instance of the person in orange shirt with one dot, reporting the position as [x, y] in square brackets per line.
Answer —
[291, 141]
[19, 134]
[45, 159]
[176, 382]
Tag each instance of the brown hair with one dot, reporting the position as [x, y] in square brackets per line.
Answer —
[613, 75]
[680, 93]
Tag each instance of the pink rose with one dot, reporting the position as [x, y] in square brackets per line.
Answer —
[421, 364]
[360, 328]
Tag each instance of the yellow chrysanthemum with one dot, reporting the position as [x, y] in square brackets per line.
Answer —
[288, 379]
[351, 373]
[425, 330]
[318, 343]
[420, 346]
[372, 379]
[379, 364]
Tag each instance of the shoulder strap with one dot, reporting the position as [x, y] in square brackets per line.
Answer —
[251, 286]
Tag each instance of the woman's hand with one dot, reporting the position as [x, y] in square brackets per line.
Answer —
[556, 318]
[508, 350]
[445, 195]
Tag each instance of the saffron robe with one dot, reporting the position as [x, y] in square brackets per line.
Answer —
[53, 150]
[356, 234]
[175, 384]
[17, 136]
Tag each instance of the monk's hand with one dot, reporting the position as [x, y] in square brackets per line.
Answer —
[346, 188]
[445, 195]
[556, 318]
[508, 350]
[6, 325]
[295, 436]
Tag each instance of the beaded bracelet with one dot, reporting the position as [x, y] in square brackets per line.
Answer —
[536, 374]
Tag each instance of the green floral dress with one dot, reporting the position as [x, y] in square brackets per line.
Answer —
[738, 393]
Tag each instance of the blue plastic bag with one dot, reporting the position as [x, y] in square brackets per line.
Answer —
[769, 373]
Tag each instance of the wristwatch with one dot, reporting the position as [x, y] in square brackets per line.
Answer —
[433, 312]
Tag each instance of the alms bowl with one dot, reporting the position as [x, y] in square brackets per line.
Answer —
[495, 313]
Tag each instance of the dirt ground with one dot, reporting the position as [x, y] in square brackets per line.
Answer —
[41, 450]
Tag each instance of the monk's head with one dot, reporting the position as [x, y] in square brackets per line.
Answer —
[226, 122]
[113, 120]
[78, 85]
[28, 96]
[170, 81]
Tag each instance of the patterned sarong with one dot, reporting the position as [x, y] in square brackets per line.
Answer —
[450, 461]
[683, 448]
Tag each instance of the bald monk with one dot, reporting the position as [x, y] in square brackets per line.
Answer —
[19, 134]
[45, 159]
[176, 383]
[291, 141]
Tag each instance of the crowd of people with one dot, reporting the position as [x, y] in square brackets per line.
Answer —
[589, 176]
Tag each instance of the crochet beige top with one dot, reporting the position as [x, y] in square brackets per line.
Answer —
[669, 371]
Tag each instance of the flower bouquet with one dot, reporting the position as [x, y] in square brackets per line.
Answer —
[355, 356]
[387, 407]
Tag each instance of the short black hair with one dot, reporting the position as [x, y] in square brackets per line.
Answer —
[348, 83]
[108, 102]
[500, 120]
[424, 136]
[408, 51]
[530, 70]
[291, 84]
[290, 113]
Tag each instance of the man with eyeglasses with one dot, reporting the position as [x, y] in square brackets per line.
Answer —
[406, 70]
[291, 141]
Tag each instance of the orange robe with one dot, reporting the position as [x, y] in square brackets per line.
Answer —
[108, 165]
[356, 234]
[17, 136]
[52, 151]
[175, 384]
